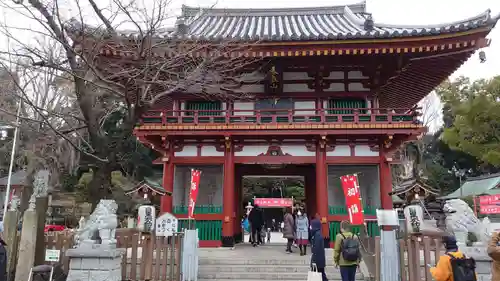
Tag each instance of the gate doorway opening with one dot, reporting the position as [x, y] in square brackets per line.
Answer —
[260, 183]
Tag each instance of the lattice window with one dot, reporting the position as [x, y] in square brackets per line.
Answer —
[204, 105]
[340, 104]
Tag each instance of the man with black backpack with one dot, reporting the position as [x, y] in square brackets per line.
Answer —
[454, 265]
[346, 253]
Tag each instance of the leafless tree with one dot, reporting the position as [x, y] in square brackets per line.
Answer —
[430, 109]
[118, 75]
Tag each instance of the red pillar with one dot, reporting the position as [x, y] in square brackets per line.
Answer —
[385, 181]
[228, 197]
[322, 189]
[166, 204]
[238, 205]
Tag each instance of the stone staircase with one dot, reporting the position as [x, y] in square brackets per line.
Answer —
[246, 263]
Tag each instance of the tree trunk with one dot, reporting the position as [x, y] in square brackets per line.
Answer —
[100, 185]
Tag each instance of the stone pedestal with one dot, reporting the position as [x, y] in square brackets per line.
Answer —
[95, 264]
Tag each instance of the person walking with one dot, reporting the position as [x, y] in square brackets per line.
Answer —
[453, 265]
[494, 253]
[318, 258]
[256, 219]
[288, 229]
[346, 253]
[302, 231]
[3, 259]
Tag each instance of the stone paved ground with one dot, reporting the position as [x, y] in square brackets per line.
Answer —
[276, 238]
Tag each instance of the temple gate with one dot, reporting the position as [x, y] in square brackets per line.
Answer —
[335, 93]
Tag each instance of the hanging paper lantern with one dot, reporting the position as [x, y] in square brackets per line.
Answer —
[146, 218]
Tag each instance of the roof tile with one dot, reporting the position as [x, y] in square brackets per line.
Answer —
[292, 24]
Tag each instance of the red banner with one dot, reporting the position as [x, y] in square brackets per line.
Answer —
[489, 209]
[273, 202]
[193, 193]
[489, 200]
[353, 199]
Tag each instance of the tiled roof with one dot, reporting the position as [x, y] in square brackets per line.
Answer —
[18, 178]
[292, 24]
[476, 186]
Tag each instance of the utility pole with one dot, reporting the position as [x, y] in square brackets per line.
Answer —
[12, 157]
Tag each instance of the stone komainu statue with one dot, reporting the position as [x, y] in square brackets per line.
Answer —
[102, 223]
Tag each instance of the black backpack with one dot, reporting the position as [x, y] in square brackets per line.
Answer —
[350, 248]
[463, 269]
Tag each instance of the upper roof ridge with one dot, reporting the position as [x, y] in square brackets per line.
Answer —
[483, 17]
[188, 11]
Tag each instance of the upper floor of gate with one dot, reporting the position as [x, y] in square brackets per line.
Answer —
[313, 68]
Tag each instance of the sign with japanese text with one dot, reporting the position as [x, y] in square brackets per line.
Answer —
[52, 255]
[353, 199]
[489, 200]
[273, 202]
[489, 209]
[489, 204]
[193, 192]
[166, 225]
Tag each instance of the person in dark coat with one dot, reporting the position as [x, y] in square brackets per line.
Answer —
[256, 219]
[3, 259]
[318, 248]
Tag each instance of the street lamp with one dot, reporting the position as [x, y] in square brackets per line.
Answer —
[458, 173]
[12, 157]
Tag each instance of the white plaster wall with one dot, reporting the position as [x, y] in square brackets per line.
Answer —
[211, 182]
[296, 76]
[336, 75]
[307, 107]
[210, 150]
[340, 150]
[252, 150]
[187, 150]
[364, 150]
[356, 87]
[240, 105]
[297, 150]
[335, 87]
[356, 75]
[369, 182]
[294, 88]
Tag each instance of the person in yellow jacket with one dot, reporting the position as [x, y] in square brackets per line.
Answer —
[443, 269]
[494, 253]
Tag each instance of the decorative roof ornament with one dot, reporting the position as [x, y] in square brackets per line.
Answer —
[368, 24]
[182, 27]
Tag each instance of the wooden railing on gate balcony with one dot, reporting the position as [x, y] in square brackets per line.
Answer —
[292, 116]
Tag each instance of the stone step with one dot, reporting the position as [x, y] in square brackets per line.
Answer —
[261, 269]
[263, 260]
[265, 276]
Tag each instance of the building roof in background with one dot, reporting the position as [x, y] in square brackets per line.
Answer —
[18, 178]
[488, 184]
[149, 185]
